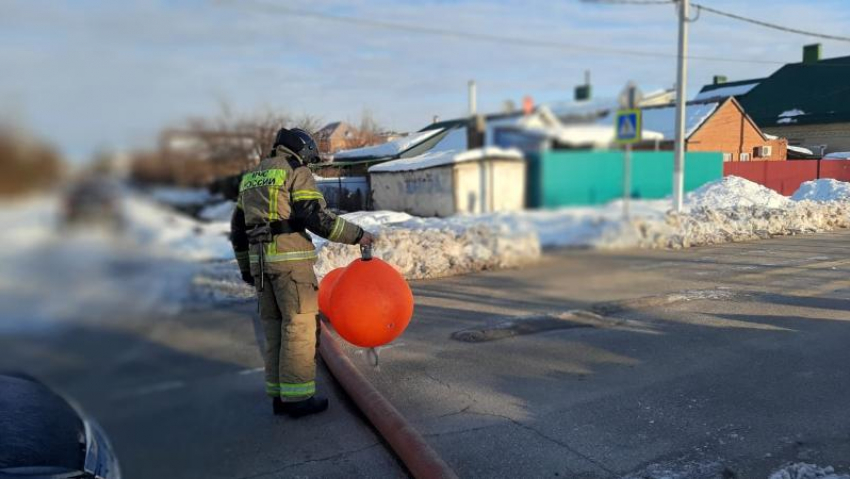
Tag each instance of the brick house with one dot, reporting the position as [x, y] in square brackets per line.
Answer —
[808, 102]
[336, 136]
[721, 126]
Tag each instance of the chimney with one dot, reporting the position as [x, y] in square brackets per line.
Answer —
[435, 119]
[718, 80]
[811, 53]
[582, 92]
[527, 105]
[472, 98]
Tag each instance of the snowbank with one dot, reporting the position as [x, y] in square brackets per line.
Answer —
[733, 191]
[728, 210]
[169, 234]
[180, 197]
[823, 190]
[167, 248]
[218, 211]
[429, 248]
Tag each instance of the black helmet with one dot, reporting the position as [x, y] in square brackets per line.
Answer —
[309, 151]
[298, 141]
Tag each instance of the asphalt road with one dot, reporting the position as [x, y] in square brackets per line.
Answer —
[723, 361]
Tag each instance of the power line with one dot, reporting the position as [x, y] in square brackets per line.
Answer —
[476, 36]
[771, 25]
[632, 2]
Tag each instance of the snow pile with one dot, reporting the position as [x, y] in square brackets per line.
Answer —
[181, 197]
[728, 210]
[96, 273]
[430, 248]
[803, 470]
[707, 226]
[733, 191]
[166, 233]
[217, 211]
[823, 190]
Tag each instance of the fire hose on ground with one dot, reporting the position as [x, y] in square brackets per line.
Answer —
[419, 458]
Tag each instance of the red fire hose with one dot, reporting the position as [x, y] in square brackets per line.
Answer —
[419, 458]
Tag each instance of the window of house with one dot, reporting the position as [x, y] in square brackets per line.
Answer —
[744, 157]
[727, 157]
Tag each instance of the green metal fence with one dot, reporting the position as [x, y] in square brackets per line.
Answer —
[566, 178]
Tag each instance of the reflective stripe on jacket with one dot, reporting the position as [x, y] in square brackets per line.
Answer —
[283, 188]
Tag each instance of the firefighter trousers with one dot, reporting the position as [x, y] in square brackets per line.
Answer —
[289, 313]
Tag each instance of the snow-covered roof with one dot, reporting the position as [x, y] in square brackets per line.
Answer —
[837, 155]
[390, 148]
[789, 116]
[727, 91]
[594, 135]
[798, 149]
[433, 159]
[662, 120]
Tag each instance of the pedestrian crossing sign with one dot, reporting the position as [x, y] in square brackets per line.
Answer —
[628, 126]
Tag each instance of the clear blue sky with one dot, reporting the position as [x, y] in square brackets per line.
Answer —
[89, 74]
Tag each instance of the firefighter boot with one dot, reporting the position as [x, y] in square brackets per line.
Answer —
[278, 407]
[312, 405]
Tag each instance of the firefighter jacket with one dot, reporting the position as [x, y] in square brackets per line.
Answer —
[281, 191]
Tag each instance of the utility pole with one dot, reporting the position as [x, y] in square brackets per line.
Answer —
[681, 89]
[472, 98]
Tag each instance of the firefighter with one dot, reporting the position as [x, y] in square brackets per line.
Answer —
[278, 201]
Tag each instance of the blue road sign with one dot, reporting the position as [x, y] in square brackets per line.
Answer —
[628, 125]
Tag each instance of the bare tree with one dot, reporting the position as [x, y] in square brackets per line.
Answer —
[309, 123]
[368, 132]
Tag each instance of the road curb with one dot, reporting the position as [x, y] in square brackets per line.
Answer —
[419, 458]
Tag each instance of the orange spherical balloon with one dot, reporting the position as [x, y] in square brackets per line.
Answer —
[326, 286]
[371, 303]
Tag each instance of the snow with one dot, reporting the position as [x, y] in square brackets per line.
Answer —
[454, 140]
[168, 234]
[798, 149]
[169, 257]
[823, 190]
[725, 92]
[733, 191]
[596, 136]
[390, 148]
[182, 196]
[727, 210]
[788, 116]
[791, 113]
[218, 211]
[662, 120]
[99, 274]
[433, 159]
[837, 155]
